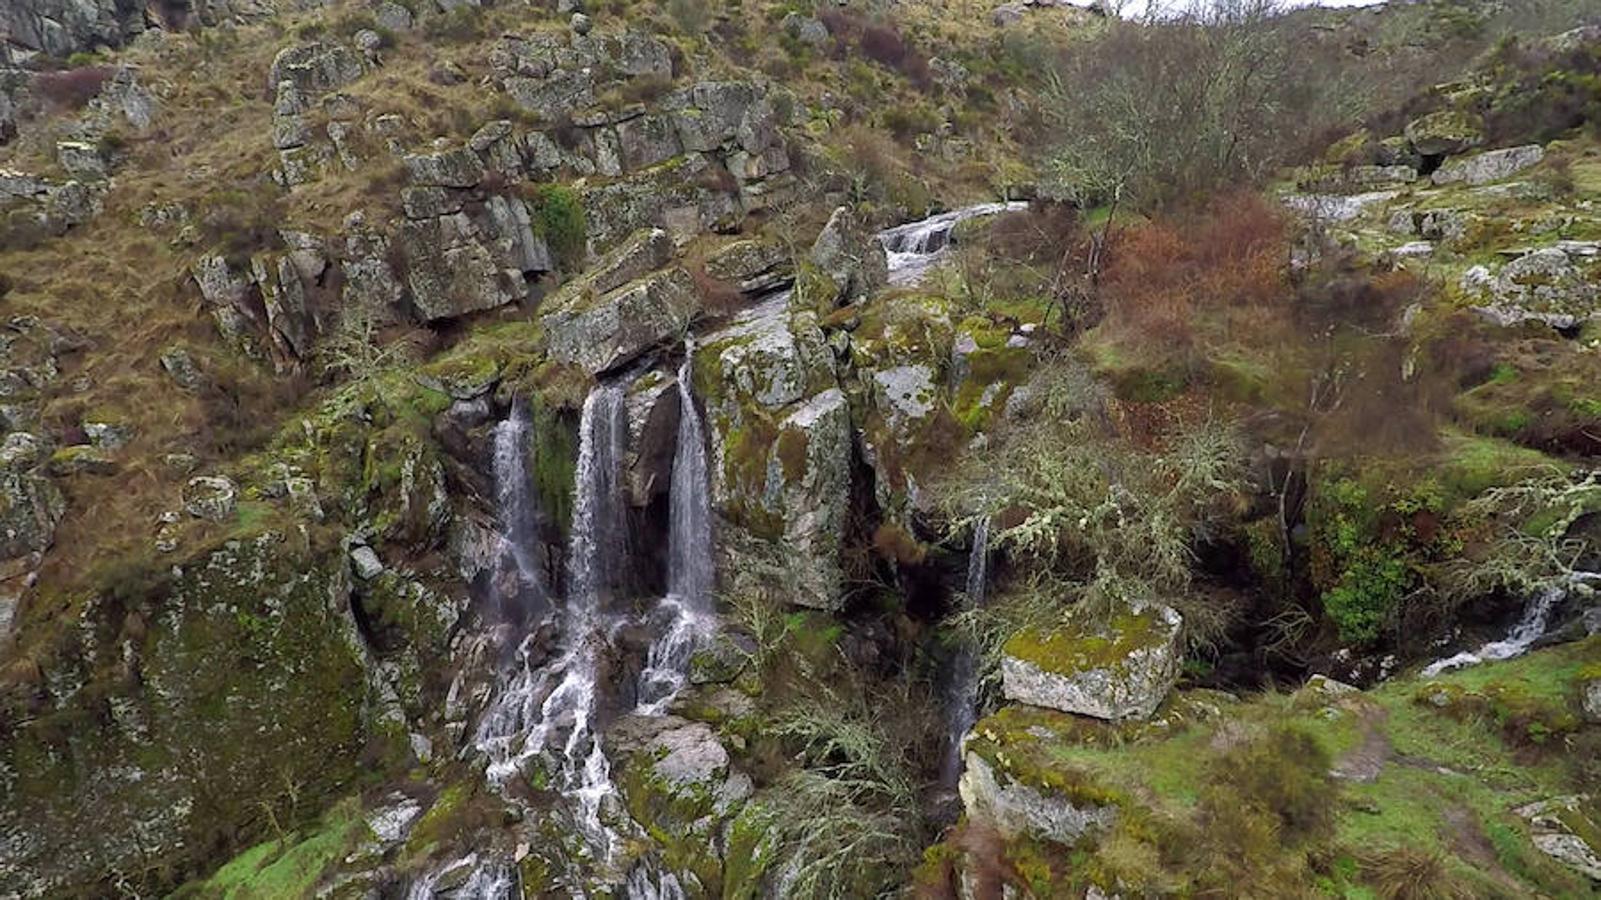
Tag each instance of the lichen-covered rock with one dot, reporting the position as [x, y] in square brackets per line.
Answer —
[210, 497]
[813, 464]
[678, 784]
[315, 68]
[780, 434]
[458, 168]
[196, 697]
[1119, 669]
[1491, 165]
[1444, 132]
[449, 269]
[755, 267]
[62, 27]
[371, 285]
[602, 333]
[652, 414]
[230, 296]
[930, 385]
[31, 506]
[1564, 830]
[849, 257]
[1590, 699]
[1551, 285]
[1012, 780]
[81, 459]
[674, 195]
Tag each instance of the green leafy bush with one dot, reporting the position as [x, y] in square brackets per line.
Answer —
[559, 219]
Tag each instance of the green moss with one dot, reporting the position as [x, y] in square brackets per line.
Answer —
[287, 868]
[1472, 465]
[792, 454]
[552, 459]
[1084, 646]
[680, 818]
[1023, 744]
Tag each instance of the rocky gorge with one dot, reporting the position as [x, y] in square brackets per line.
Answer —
[693, 449]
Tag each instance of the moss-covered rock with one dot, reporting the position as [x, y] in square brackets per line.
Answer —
[1443, 132]
[227, 693]
[678, 785]
[1118, 669]
[1013, 780]
[780, 433]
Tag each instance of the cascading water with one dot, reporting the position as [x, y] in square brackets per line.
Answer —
[1528, 629]
[519, 519]
[913, 248]
[536, 701]
[485, 881]
[961, 702]
[686, 614]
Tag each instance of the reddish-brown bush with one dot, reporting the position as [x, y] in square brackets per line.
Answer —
[1161, 275]
[71, 88]
[884, 45]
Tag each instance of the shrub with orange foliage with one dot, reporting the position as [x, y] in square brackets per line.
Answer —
[71, 89]
[1162, 276]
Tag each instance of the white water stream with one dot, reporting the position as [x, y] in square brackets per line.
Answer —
[1528, 629]
[961, 700]
[914, 248]
[686, 616]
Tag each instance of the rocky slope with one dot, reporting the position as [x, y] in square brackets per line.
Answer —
[490, 451]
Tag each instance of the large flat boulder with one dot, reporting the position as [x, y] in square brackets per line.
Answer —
[616, 328]
[1491, 165]
[1121, 668]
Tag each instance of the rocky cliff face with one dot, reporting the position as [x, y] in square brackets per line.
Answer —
[349, 353]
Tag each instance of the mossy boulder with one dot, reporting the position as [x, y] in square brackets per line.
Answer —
[204, 701]
[678, 785]
[1444, 132]
[928, 385]
[1014, 780]
[1118, 668]
[605, 332]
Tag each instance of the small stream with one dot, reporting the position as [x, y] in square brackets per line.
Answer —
[1525, 633]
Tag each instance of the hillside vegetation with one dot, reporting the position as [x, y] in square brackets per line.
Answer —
[494, 449]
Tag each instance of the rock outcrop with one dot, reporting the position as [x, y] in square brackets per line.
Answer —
[1123, 669]
[1489, 166]
[1010, 782]
[177, 743]
[780, 433]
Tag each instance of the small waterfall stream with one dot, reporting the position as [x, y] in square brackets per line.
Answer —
[686, 615]
[914, 248]
[961, 701]
[517, 515]
[1525, 632]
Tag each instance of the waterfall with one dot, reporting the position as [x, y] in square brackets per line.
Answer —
[487, 881]
[517, 515]
[961, 702]
[686, 614]
[690, 573]
[1530, 627]
[913, 248]
[535, 701]
[598, 557]
[978, 565]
